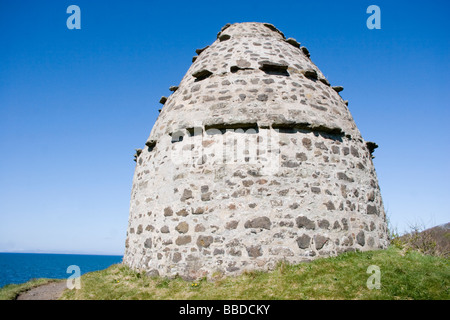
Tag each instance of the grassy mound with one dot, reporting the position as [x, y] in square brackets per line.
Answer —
[404, 275]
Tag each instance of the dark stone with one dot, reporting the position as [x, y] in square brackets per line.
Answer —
[305, 51]
[360, 238]
[324, 81]
[262, 97]
[163, 100]
[204, 189]
[338, 88]
[225, 27]
[254, 173]
[242, 63]
[195, 88]
[310, 74]
[330, 205]
[335, 149]
[372, 209]
[176, 257]
[224, 37]
[268, 81]
[301, 156]
[206, 196]
[294, 206]
[307, 143]
[231, 225]
[289, 164]
[254, 251]
[345, 151]
[148, 243]
[304, 222]
[315, 190]
[324, 224]
[247, 183]
[194, 58]
[336, 225]
[343, 176]
[371, 146]
[182, 227]
[354, 152]
[239, 174]
[320, 241]
[321, 145]
[274, 68]
[304, 241]
[150, 144]
[232, 268]
[286, 224]
[181, 240]
[293, 42]
[315, 106]
[199, 51]
[199, 228]
[204, 241]
[182, 213]
[218, 251]
[187, 194]
[260, 222]
[273, 28]
[168, 212]
[152, 273]
[199, 210]
[165, 229]
[140, 229]
[173, 88]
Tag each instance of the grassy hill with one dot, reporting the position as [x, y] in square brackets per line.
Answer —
[405, 274]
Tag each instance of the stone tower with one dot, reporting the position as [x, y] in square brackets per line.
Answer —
[253, 159]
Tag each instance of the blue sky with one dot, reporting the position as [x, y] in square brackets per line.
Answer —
[74, 104]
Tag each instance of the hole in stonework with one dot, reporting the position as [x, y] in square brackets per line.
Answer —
[202, 74]
[249, 128]
[274, 68]
[235, 69]
[335, 134]
[311, 74]
[196, 131]
[177, 136]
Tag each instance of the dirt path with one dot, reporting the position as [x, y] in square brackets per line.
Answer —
[49, 291]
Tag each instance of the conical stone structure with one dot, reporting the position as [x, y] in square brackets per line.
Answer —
[253, 159]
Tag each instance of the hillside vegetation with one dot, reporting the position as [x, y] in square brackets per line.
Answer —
[404, 274]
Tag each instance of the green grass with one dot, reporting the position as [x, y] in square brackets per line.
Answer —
[404, 275]
[11, 291]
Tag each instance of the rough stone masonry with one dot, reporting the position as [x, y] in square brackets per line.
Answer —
[254, 158]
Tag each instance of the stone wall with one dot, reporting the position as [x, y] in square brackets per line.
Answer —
[254, 158]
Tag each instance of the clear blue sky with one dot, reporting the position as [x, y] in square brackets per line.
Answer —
[75, 103]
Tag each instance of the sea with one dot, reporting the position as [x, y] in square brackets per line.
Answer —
[22, 267]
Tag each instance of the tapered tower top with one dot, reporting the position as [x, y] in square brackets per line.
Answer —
[253, 74]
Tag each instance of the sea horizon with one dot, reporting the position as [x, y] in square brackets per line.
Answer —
[20, 267]
[64, 252]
